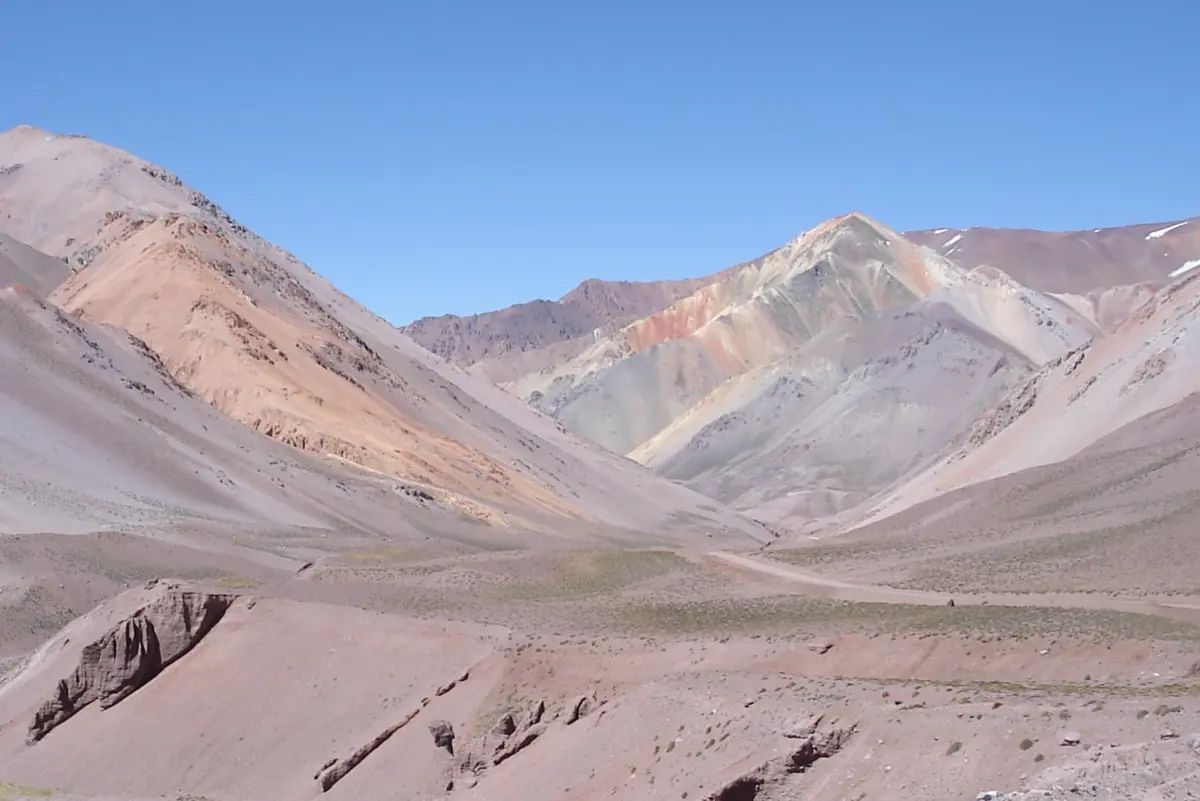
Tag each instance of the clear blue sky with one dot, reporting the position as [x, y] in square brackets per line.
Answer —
[454, 156]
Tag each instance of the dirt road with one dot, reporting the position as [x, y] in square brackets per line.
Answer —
[816, 585]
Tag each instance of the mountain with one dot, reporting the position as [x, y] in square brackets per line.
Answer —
[777, 384]
[97, 433]
[521, 339]
[854, 411]
[244, 326]
[1138, 368]
[794, 306]
[529, 336]
[1073, 261]
[257, 544]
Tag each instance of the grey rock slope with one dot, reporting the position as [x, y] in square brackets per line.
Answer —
[95, 432]
[1139, 367]
[844, 418]
[21, 265]
[649, 388]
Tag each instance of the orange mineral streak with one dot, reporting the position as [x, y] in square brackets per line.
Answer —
[739, 345]
[164, 283]
[916, 269]
[680, 320]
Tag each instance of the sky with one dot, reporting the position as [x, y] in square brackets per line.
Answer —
[461, 156]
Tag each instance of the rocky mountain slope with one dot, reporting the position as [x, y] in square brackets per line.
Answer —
[243, 325]
[1074, 261]
[529, 336]
[779, 388]
[21, 265]
[1117, 517]
[1139, 367]
[96, 432]
[776, 385]
[845, 416]
[504, 347]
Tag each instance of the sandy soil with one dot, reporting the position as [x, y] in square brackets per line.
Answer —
[698, 672]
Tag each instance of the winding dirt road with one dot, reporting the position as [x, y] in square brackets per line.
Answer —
[818, 586]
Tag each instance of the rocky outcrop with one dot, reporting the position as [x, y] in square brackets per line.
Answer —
[442, 732]
[812, 747]
[335, 770]
[581, 706]
[516, 730]
[519, 743]
[131, 654]
[443, 735]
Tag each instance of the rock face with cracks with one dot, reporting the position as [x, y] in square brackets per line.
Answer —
[131, 654]
[334, 770]
[512, 734]
[813, 747]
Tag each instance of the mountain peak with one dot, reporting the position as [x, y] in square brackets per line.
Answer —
[33, 133]
[26, 130]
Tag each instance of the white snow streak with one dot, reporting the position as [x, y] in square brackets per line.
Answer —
[1187, 266]
[952, 240]
[1164, 231]
[941, 230]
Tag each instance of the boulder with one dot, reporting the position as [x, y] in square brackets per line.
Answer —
[443, 734]
[505, 725]
[536, 713]
[1066, 737]
[800, 729]
[520, 743]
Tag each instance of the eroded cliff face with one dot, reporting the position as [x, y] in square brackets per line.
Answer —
[131, 654]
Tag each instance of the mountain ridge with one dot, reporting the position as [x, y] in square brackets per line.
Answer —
[1072, 262]
[250, 329]
[844, 269]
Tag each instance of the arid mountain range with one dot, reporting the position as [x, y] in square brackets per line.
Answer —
[257, 544]
[242, 325]
[522, 338]
[808, 384]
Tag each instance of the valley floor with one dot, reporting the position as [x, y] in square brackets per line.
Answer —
[586, 674]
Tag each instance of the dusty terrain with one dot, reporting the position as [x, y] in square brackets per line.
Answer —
[1068, 665]
[594, 674]
[256, 544]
